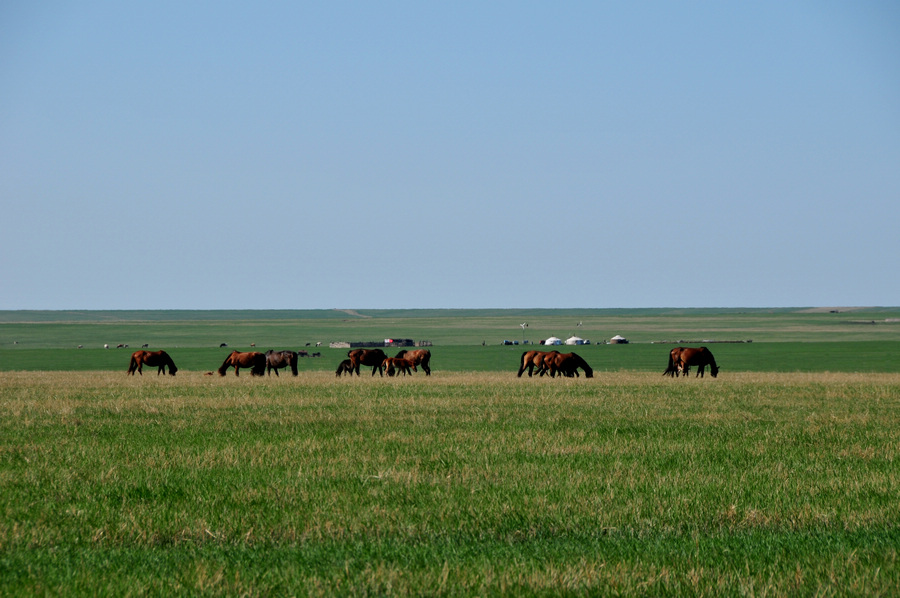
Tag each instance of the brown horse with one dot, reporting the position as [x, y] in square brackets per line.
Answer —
[398, 365]
[420, 357]
[344, 366]
[281, 359]
[158, 359]
[700, 357]
[567, 364]
[532, 360]
[372, 357]
[254, 360]
[674, 368]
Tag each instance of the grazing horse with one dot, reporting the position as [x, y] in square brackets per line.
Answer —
[281, 359]
[420, 357]
[398, 365]
[531, 360]
[700, 357]
[255, 361]
[372, 357]
[567, 364]
[158, 359]
[344, 366]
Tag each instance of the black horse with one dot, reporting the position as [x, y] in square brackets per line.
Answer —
[281, 359]
[372, 357]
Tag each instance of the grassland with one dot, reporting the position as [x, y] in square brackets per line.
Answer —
[459, 484]
[777, 478]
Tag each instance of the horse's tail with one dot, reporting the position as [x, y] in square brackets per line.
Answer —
[670, 369]
[133, 365]
[259, 365]
[294, 363]
[522, 365]
[401, 354]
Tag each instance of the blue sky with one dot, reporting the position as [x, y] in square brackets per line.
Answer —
[273, 155]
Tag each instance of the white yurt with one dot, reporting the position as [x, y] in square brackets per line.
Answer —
[553, 341]
[618, 340]
[574, 340]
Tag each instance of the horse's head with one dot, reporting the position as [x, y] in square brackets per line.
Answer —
[713, 370]
[172, 368]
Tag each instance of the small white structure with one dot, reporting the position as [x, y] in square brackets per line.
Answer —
[574, 340]
[553, 341]
[618, 340]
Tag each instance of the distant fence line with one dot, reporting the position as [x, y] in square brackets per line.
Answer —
[404, 342]
[689, 342]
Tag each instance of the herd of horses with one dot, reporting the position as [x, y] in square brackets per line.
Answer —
[551, 363]
[405, 362]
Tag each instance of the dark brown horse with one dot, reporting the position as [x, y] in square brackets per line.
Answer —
[674, 368]
[344, 366]
[532, 360]
[237, 360]
[567, 364]
[158, 359]
[281, 359]
[372, 357]
[398, 365]
[700, 357]
[420, 357]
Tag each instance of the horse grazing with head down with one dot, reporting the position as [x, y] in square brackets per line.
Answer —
[420, 357]
[281, 359]
[158, 359]
[344, 366]
[372, 357]
[700, 357]
[567, 364]
[398, 365]
[253, 360]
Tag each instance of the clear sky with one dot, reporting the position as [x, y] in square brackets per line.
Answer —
[416, 154]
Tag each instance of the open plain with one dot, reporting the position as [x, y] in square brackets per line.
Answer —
[778, 477]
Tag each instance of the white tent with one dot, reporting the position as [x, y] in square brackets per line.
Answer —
[618, 340]
[574, 340]
[553, 341]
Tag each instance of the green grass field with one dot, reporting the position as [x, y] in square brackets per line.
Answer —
[458, 484]
[777, 478]
[464, 340]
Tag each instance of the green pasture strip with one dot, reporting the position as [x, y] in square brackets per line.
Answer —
[869, 356]
[294, 329]
[461, 484]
